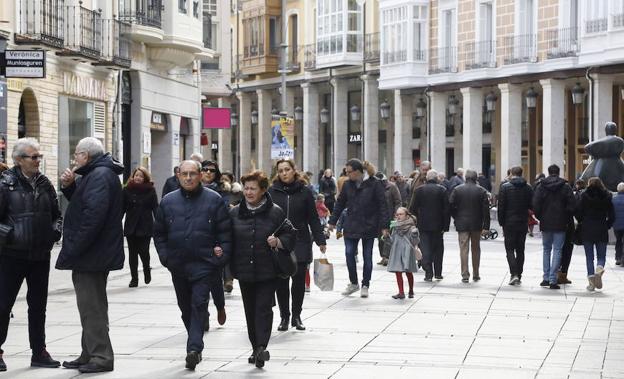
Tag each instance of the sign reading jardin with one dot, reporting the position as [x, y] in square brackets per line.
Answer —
[23, 63]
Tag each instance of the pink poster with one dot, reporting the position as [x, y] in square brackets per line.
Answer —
[216, 118]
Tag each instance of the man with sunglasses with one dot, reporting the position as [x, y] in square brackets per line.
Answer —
[29, 225]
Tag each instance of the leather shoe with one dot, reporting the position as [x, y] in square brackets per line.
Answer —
[262, 356]
[44, 359]
[221, 316]
[91, 368]
[74, 364]
[283, 326]
[192, 359]
[147, 273]
[297, 323]
[133, 283]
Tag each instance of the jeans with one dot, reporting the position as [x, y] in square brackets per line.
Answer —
[193, 298]
[601, 253]
[619, 244]
[552, 242]
[515, 240]
[367, 252]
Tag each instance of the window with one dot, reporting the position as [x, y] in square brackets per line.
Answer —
[339, 28]
[485, 50]
[210, 7]
[207, 30]
[253, 31]
[394, 29]
[275, 34]
[182, 6]
[617, 13]
[419, 17]
[526, 21]
[196, 9]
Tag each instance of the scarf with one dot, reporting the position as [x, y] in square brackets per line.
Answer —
[260, 204]
[403, 227]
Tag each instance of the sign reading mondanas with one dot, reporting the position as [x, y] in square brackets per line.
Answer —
[24, 63]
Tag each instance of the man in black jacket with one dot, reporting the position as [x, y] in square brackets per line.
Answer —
[92, 246]
[193, 237]
[367, 217]
[514, 202]
[172, 183]
[430, 204]
[29, 226]
[328, 187]
[554, 204]
[470, 208]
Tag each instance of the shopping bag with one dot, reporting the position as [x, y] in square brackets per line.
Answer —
[324, 274]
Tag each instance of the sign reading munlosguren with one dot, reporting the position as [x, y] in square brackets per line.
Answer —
[23, 63]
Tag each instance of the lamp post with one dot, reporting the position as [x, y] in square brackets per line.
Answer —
[384, 110]
[254, 117]
[578, 94]
[355, 113]
[531, 103]
[421, 108]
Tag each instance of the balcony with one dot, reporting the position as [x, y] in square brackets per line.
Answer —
[40, 22]
[443, 60]
[597, 25]
[146, 19]
[292, 59]
[371, 48]
[390, 57]
[617, 20]
[116, 43]
[83, 35]
[562, 43]
[256, 60]
[309, 57]
[480, 54]
[519, 49]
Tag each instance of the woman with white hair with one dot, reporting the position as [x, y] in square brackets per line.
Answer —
[618, 225]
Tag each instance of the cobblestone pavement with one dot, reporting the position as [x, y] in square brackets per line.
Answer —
[449, 330]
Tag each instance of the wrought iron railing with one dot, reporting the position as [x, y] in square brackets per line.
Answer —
[41, 21]
[520, 49]
[596, 25]
[443, 60]
[371, 47]
[116, 42]
[84, 30]
[142, 12]
[419, 55]
[562, 43]
[618, 20]
[389, 57]
[309, 57]
[480, 54]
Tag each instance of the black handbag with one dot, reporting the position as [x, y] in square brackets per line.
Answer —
[285, 261]
[577, 237]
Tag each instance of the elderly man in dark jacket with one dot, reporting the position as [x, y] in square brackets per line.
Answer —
[470, 209]
[514, 202]
[92, 246]
[554, 204]
[29, 219]
[431, 206]
[193, 237]
[367, 217]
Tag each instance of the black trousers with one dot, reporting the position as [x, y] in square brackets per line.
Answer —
[514, 246]
[258, 301]
[568, 248]
[92, 303]
[13, 271]
[216, 290]
[193, 299]
[619, 244]
[432, 247]
[297, 290]
[138, 247]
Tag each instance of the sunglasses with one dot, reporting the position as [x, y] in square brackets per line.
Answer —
[213, 170]
[35, 157]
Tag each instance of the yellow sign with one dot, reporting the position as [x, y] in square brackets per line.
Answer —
[15, 85]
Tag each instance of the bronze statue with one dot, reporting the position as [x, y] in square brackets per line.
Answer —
[606, 162]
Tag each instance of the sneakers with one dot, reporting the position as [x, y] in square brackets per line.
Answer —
[364, 292]
[592, 285]
[2, 364]
[307, 289]
[351, 288]
[514, 281]
[44, 359]
[598, 278]
[544, 283]
[192, 359]
[465, 280]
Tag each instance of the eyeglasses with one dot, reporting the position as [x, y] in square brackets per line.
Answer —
[213, 170]
[79, 152]
[34, 157]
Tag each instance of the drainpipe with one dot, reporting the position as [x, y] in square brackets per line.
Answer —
[426, 93]
[283, 58]
[591, 103]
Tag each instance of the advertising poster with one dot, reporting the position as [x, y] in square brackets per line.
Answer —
[283, 138]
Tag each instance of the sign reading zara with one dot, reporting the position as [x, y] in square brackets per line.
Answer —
[23, 63]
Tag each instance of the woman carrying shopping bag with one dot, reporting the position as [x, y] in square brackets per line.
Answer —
[404, 252]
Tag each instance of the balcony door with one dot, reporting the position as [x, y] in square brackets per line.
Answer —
[485, 47]
[449, 35]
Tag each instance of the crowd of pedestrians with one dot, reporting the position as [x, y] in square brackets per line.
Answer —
[209, 230]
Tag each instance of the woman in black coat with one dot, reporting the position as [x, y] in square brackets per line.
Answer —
[260, 230]
[139, 205]
[595, 214]
[290, 192]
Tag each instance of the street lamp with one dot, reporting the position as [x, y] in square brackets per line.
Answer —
[298, 113]
[622, 90]
[531, 98]
[577, 94]
[490, 102]
[452, 105]
[384, 109]
[421, 108]
[234, 119]
[355, 113]
[254, 117]
[324, 116]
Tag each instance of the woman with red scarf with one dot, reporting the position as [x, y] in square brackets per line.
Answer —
[139, 204]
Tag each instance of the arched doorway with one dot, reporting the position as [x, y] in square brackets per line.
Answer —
[28, 116]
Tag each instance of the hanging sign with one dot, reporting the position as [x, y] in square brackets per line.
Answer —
[23, 63]
[283, 138]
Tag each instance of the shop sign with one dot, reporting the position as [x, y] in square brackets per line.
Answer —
[282, 138]
[355, 138]
[82, 86]
[23, 63]
[158, 121]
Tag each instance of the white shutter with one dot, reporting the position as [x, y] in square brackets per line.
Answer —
[99, 121]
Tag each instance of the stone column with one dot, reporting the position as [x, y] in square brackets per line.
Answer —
[263, 147]
[553, 125]
[458, 140]
[603, 103]
[511, 126]
[473, 128]
[310, 134]
[370, 129]
[402, 134]
[244, 133]
[340, 115]
[224, 136]
[437, 135]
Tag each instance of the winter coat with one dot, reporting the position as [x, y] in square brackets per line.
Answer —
[92, 231]
[32, 213]
[220, 189]
[470, 207]
[171, 184]
[252, 257]
[327, 186]
[431, 207]
[402, 255]
[595, 213]
[418, 181]
[455, 181]
[139, 205]
[189, 225]
[514, 201]
[299, 204]
[553, 204]
[404, 190]
[367, 212]
[618, 208]
[485, 183]
[393, 196]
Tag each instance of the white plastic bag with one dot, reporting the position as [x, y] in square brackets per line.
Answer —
[324, 274]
